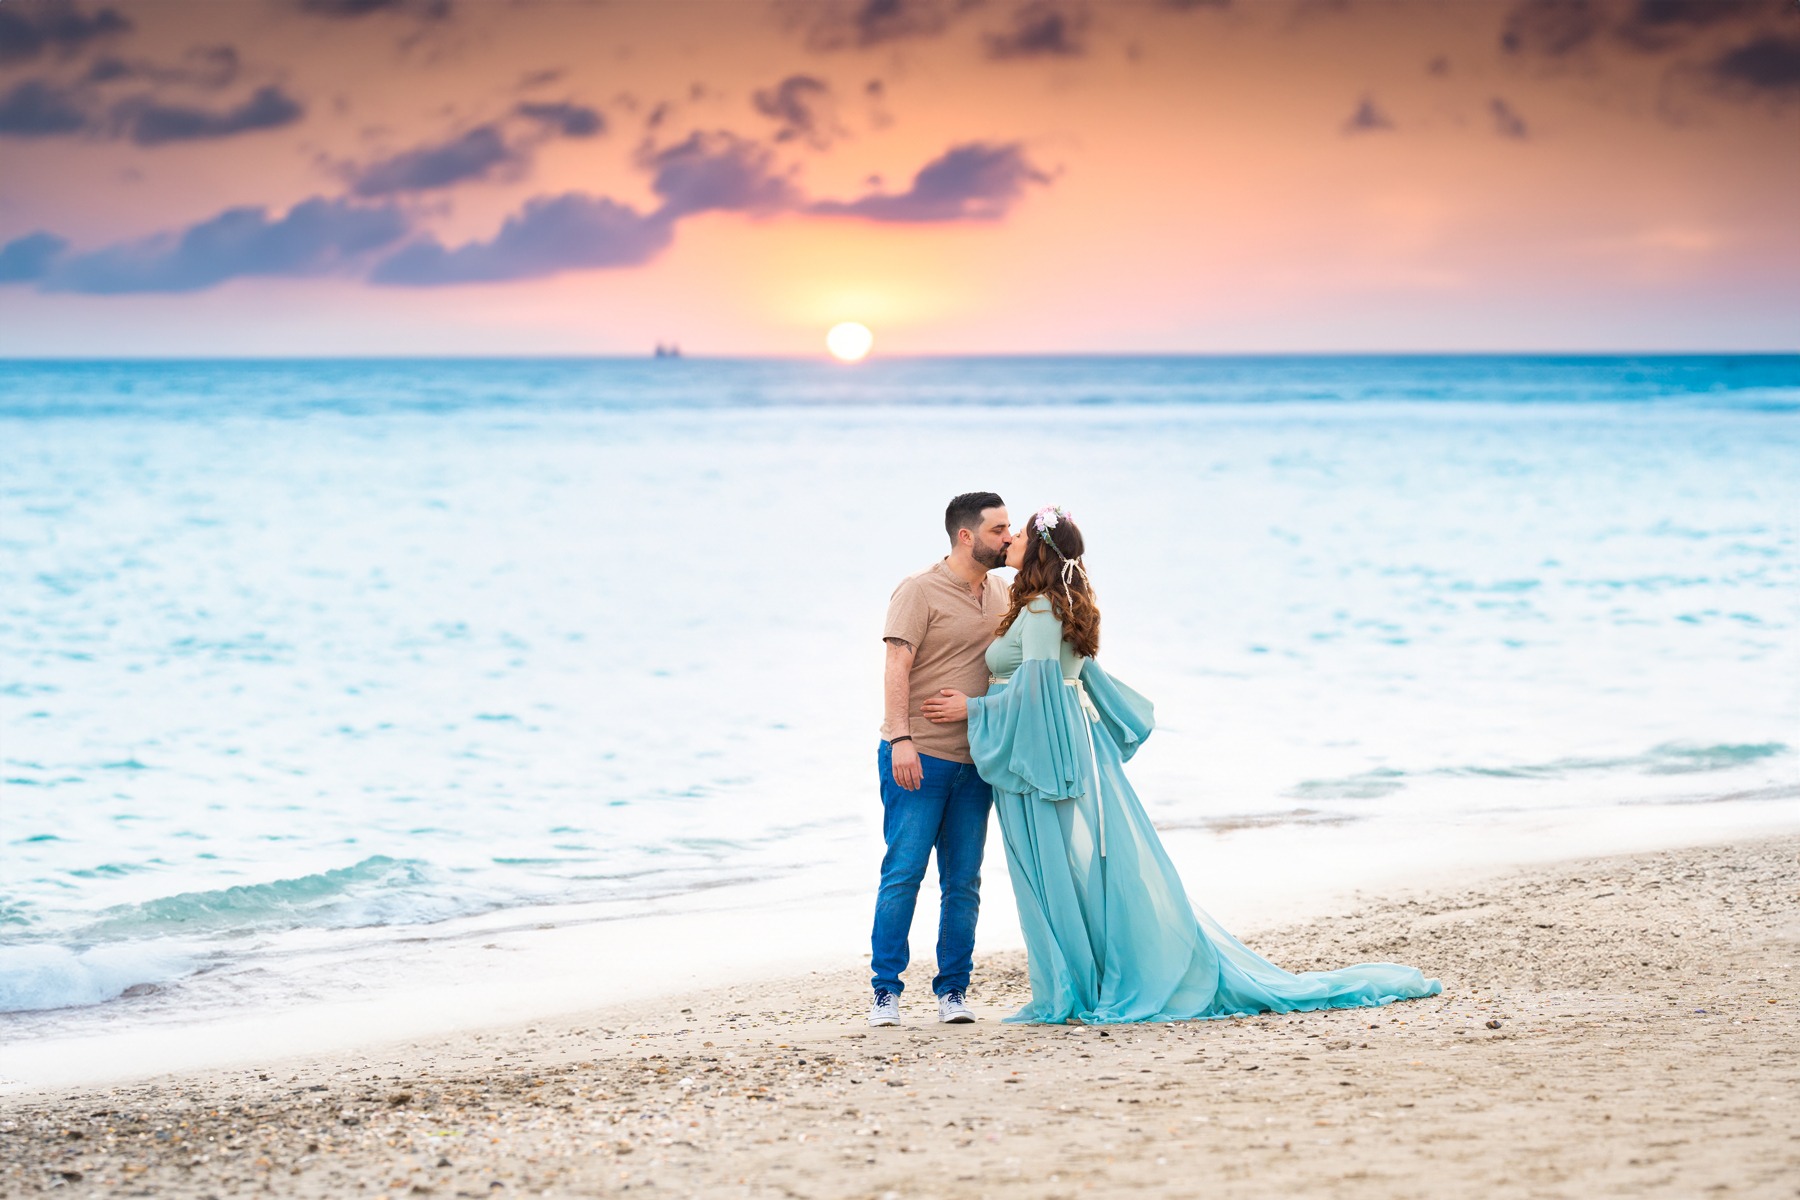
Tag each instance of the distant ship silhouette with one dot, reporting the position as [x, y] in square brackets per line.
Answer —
[671, 350]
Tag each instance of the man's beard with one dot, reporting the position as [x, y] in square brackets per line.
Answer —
[988, 559]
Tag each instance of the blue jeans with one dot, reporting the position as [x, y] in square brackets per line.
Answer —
[948, 812]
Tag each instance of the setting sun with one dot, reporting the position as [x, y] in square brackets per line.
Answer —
[849, 341]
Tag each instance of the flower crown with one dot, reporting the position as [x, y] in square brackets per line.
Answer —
[1046, 519]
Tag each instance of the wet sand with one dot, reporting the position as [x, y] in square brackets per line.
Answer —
[1622, 1026]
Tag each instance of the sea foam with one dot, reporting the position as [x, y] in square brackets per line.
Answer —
[34, 978]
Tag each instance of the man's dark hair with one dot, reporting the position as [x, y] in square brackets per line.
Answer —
[965, 511]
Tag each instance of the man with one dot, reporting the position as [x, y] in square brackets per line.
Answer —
[939, 624]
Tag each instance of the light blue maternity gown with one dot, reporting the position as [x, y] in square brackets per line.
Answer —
[1109, 929]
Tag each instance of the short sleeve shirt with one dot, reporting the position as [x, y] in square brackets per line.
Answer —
[948, 626]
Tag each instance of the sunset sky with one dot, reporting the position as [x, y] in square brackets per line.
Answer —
[229, 177]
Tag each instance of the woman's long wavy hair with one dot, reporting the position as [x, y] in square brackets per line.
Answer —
[1041, 574]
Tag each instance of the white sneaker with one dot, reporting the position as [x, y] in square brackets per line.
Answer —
[886, 1009]
[952, 1010]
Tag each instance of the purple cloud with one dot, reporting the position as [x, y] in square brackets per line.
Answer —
[151, 123]
[707, 172]
[836, 25]
[551, 234]
[1769, 65]
[1551, 28]
[801, 105]
[1507, 121]
[204, 66]
[476, 154]
[570, 120]
[1367, 118]
[1556, 29]
[315, 237]
[430, 10]
[1653, 25]
[26, 34]
[1041, 29]
[35, 108]
[717, 172]
[28, 258]
[977, 181]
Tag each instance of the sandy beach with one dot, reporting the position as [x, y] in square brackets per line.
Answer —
[1616, 1026]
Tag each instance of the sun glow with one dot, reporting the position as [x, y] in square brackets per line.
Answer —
[849, 341]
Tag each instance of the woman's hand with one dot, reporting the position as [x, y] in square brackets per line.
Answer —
[947, 706]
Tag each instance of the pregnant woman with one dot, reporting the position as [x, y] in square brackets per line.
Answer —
[1110, 932]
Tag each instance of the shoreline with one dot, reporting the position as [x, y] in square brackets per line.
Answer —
[388, 984]
[1608, 1024]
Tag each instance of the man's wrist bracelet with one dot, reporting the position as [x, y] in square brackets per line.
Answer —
[905, 737]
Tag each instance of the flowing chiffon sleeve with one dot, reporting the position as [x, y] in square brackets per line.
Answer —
[1127, 716]
[1025, 735]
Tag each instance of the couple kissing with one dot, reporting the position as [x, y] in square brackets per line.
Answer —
[994, 701]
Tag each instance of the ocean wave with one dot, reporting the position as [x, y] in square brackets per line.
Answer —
[1669, 758]
[132, 949]
[1366, 785]
[35, 978]
[376, 891]
[1780, 791]
[1241, 821]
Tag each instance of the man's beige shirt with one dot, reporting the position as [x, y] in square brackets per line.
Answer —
[948, 628]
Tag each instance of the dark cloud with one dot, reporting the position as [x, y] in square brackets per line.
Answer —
[27, 31]
[315, 237]
[1653, 25]
[1507, 122]
[1768, 66]
[1439, 66]
[110, 68]
[549, 235]
[477, 154]
[1367, 118]
[570, 120]
[25, 259]
[842, 25]
[202, 66]
[430, 10]
[717, 172]
[708, 172]
[149, 122]
[1041, 29]
[802, 107]
[1318, 10]
[35, 108]
[1556, 29]
[1551, 28]
[875, 104]
[213, 66]
[542, 78]
[973, 182]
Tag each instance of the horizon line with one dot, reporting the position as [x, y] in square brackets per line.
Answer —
[825, 360]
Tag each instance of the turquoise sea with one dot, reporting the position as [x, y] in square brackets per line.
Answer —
[299, 655]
